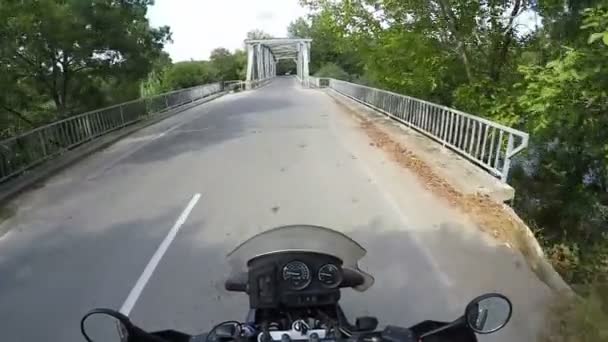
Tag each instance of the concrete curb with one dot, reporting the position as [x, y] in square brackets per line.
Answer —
[535, 256]
[25, 181]
[486, 184]
[527, 243]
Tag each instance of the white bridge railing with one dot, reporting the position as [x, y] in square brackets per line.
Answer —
[486, 143]
[25, 151]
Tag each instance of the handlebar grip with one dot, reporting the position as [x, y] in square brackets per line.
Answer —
[235, 286]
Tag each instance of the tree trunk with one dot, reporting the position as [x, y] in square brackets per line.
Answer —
[19, 115]
[465, 60]
[66, 79]
[503, 48]
[450, 18]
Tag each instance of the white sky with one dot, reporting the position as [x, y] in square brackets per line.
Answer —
[200, 26]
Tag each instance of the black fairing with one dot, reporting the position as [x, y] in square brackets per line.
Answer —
[453, 334]
[173, 336]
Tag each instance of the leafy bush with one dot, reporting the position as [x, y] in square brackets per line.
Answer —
[582, 318]
[333, 70]
[493, 100]
[189, 74]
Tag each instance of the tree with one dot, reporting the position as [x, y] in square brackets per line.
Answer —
[567, 192]
[225, 64]
[258, 34]
[286, 66]
[330, 42]
[189, 74]
[478, 56]
[471, 30]
[154, 82]
[64, 49]
[333, 70]
[240, 57]
[300, 28]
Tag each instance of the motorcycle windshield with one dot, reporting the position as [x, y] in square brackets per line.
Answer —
[301, 238]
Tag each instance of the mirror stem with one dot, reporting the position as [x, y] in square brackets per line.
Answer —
[458, 322]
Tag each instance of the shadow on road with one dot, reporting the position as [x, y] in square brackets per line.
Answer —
[72, 269]
[227, 119]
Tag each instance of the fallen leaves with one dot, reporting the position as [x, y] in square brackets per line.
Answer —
[489, 216]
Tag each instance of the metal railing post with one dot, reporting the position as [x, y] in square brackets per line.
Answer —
[122, 116]
[464, 133]
[25, 151]
[507, 163]
[42, 143]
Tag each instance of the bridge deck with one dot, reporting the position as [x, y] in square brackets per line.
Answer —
[276, 155]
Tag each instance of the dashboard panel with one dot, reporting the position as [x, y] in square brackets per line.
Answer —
[294, 279]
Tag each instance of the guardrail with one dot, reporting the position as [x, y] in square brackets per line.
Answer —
[256, 83]
[316, 82]
[23, 152]
[242, 85]
[486, 143]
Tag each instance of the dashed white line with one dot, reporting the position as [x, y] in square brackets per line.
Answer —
[168, 131]
[137, 289]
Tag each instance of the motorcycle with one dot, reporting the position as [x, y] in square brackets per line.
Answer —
[293, 276]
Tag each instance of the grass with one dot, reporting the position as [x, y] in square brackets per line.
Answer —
[571, 318]
[582, 318]
[5, 213]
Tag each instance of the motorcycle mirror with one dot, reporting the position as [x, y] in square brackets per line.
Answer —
[101, 325]
[488, 313]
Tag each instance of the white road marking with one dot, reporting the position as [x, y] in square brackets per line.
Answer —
[162, 248]
[169, 130]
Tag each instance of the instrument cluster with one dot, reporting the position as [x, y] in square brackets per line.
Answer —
[296, 279]
[297, 275]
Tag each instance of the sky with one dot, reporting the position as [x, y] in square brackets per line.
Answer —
[200, 26]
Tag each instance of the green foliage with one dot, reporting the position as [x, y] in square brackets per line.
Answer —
[549, 80]
[566, 103]
[222, 66]
[240, 57]
[579, 319]
[489, 99]
[258, 34]
[189, 74]
[330, 43]
[6, 213]
[332, 70]
[412, 64]
[225, 64]
[286, 66]
[58, 58]
[596, 19]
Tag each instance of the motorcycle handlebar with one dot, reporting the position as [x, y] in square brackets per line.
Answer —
[235, 286]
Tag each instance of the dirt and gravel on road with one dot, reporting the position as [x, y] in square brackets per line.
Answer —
[496, 219]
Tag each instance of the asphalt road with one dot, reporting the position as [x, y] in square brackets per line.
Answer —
[272, 156]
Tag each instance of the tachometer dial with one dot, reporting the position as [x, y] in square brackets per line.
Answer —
[297, 275]
[330, 275]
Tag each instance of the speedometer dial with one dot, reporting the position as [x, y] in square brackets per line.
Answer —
[297, 275]
[330, 275]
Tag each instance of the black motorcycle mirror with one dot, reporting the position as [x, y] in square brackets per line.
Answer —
[484, 315]
[110, 325]
[105, 325]
[488, 313]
